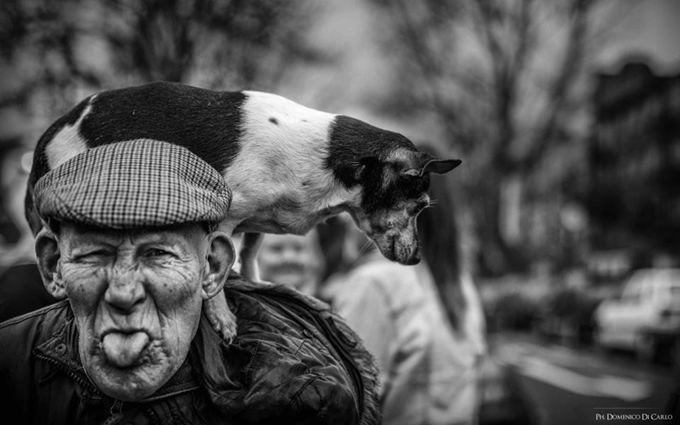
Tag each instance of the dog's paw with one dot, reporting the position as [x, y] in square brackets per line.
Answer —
[221, 318]
[226, 327]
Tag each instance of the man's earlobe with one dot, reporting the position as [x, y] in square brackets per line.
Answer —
[47, 252]
[220, 258]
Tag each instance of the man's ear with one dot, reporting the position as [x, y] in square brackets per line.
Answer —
[220, 258]
[47, 251]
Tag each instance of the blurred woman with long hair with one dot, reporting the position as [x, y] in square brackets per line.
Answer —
[423, 323]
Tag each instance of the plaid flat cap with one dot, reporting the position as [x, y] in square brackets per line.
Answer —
[138, 183]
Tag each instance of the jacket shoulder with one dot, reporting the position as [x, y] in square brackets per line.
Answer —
[19, 371]
[308, 331]
[40, 324]
[20, 335]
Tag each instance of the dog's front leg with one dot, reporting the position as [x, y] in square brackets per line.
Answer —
[220, 316]
[250, 247]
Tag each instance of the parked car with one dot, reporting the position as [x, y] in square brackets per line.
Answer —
[567, 315]
[645, 318]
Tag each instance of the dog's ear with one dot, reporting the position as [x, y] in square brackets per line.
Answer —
[440, 166]
[429, 164]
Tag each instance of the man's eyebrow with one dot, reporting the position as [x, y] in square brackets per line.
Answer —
[90, 241]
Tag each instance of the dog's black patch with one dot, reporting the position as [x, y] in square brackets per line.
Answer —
[352, 141]
[378, 196]
[357, 154]
[206, 122]
[274, 121]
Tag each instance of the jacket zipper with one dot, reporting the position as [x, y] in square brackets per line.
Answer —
[116, 412]
[117, 406]
[72, 375]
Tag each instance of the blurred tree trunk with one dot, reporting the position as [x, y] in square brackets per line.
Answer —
[496, 252]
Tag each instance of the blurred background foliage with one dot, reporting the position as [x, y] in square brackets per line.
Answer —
[68, 47]
[507, 86]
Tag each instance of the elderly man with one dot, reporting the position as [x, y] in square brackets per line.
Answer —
[131, 243]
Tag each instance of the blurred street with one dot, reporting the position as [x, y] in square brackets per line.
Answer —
[569, 385]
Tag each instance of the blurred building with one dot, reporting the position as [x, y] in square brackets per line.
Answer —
[634, 157]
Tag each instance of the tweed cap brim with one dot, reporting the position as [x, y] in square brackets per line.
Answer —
[133, 184]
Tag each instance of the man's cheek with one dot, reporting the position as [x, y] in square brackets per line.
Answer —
[81, 283]
[175, 282]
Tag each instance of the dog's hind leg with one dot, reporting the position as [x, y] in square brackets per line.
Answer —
[220, 316]
[250, 247]
[216, 308]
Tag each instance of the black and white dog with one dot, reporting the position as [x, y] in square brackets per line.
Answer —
[289, 167]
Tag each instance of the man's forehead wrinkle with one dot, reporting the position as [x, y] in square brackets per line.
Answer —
[135, 236]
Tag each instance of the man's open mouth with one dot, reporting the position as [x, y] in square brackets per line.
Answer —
[125, 349]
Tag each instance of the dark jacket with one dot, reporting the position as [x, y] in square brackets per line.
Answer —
[292, 362]
[22, 290]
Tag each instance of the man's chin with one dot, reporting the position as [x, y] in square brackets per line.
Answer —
[132, 383]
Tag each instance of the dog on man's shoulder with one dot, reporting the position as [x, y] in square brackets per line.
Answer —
[289, 167]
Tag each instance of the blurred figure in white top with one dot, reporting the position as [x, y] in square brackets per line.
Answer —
[424, 323]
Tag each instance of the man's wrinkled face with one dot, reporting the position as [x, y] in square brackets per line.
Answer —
[136, 297]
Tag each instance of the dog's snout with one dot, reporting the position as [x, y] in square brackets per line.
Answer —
[412, 259]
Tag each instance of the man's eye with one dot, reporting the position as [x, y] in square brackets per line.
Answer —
[93, 255]
[156, 253]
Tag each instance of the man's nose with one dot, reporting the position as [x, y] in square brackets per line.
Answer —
[125, 288]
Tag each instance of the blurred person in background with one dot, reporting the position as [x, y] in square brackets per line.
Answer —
[21, 288]
[292, 260]
[423, 323]
[15, 236]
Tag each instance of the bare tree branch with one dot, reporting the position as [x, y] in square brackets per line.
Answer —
[544, 136]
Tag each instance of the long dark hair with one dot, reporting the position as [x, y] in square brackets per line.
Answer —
[440, 242]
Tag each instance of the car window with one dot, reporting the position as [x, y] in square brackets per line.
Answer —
[675, 290]
[668, 283]
[631, 293]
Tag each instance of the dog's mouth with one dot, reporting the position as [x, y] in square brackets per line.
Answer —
[395, 248]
